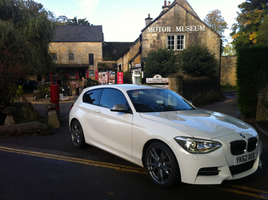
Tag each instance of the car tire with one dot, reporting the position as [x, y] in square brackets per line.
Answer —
[77, 134]
[161, 165]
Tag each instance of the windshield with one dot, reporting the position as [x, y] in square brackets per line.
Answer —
[157, 100]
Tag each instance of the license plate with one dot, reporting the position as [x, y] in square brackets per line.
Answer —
[245, 158]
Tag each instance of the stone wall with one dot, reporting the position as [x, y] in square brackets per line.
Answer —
[262, 105]
[81, 51]
[177, 16]
[228, 70]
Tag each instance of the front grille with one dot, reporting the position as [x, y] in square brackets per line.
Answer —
[241, 168]
[252, 143]
[239, 147]
[209, 171]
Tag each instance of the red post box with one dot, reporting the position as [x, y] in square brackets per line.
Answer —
[55, 93]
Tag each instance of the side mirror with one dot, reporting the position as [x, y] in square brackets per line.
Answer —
[120, 108]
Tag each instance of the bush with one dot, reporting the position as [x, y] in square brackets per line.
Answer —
[127, 77]
[197, 61]
[161, 61]
[202, 99]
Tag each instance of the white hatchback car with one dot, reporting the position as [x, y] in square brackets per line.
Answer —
[157, 129]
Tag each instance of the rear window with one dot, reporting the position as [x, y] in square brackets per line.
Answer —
[92, 97]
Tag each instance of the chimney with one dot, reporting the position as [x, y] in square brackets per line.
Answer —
[165, 7]
[148, 20]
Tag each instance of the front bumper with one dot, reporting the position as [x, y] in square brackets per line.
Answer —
[217, 166]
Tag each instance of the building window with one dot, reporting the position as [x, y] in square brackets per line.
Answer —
[91, 59]
[71, 56]
[54, 56]
[176, 42]
[91, 73]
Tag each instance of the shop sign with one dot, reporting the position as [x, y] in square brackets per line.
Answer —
[157, 79]
[169, 29]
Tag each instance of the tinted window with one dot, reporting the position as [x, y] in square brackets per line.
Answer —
[157, 100]
[92, 97]
[111, 97]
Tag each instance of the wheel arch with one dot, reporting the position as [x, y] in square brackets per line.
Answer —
[149, 142]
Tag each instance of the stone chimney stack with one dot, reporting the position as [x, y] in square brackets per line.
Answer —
[165, 7]
[148, 20]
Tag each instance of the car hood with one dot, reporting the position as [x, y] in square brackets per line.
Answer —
[199, 122]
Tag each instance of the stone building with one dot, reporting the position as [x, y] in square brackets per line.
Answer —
[177, 27]
[77, 50]
[80, 51]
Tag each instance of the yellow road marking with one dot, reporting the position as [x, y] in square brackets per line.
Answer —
[76, 160]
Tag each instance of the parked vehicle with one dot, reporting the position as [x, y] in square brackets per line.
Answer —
[67, 91]
[30, 85]
[159, 130]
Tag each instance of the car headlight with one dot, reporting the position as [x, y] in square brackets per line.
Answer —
[197, 146]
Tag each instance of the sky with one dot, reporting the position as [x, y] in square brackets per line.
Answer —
[123, 20]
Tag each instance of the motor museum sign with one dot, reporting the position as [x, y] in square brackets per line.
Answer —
[169, 29]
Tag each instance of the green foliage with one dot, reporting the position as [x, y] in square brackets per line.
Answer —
[228, 87]
[91, 82]
[197, 61]
[63, 20]
[127, 77]
[26, 30]
[19, 91]
[161, 61]
[247, 31]
[263, 34]
[229, 50]
[209, 97]
[251, 77]
[215, 21]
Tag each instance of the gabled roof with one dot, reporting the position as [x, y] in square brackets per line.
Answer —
[186, 6]
[113, 50]
[78, 33]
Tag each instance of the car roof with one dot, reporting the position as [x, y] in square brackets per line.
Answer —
[126, 87]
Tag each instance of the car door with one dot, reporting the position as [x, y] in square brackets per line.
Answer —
[113, 129]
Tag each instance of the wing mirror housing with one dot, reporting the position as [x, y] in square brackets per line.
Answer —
[120, 108]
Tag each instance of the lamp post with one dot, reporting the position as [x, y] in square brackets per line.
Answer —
[142, 69]
[115, 76]
[108, 71]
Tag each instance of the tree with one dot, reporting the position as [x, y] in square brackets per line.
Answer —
[197, 61]
[229, 50]
[215, 21]
[26, 30]
[161, 61]
[263, 34]
[63, 20]
[246, 31]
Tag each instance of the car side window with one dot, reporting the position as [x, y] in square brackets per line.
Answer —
[92, 97]
[111, 97]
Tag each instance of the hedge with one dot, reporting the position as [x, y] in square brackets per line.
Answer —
[252, 68]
